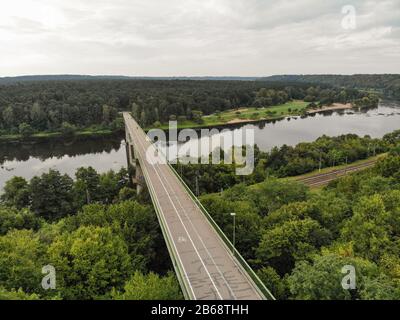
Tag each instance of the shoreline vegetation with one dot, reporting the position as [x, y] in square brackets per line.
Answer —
[227, 118]
[38, 110]
[233, 117]
[40, 136]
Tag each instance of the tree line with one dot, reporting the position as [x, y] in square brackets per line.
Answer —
[103, 240]
[288, 161]
[386, 84]
[298, 242]
[67, 106]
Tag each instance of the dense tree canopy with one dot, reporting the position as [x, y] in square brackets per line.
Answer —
[89, 262]
[53, 196]
[107, 244]
[305, 239]
[66, 106]
[149, 287]
[388, 84]
[292, 161]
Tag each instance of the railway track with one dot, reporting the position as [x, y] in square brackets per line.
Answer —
[325, 178]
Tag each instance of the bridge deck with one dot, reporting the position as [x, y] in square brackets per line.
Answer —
[209, 271]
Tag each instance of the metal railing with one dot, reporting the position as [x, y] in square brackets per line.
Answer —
[179, 273]
[242, 262]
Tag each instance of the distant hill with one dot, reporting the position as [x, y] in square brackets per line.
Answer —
[388, 84]
[61, 77]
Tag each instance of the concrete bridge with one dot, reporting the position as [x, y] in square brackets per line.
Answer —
[202, 255]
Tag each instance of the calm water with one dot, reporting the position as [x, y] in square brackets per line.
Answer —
[28, 160]
[376, 123]
[104, 154]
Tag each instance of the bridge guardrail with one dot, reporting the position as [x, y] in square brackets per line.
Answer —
[178, 271]
[263, 290]
[259, 284]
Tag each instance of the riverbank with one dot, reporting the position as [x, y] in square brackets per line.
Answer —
[38, 137]
[333, 107]
[241, 116]
[244, 115]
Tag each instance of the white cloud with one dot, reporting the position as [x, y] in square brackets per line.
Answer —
[197, 37]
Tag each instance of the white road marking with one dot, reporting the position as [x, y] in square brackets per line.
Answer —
[202, 242]
[173, 242]
[179, 217]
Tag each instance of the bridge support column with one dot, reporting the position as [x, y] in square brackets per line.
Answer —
[137, 177]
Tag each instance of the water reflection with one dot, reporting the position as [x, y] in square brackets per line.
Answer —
[375, 122]
[28, 159]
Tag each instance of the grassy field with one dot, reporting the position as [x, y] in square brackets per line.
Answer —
[246, 115]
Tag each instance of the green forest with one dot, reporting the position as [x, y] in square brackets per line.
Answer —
[105, 241]
[287, 161]
[66, 107]
[298, 240]
[386, 84]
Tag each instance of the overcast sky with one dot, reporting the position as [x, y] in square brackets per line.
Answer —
[198, 37]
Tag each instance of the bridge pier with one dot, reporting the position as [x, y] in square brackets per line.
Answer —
[137, 178]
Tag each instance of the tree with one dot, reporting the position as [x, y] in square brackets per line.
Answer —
[322, 279]
[380, 288]
[330, 210]
[16, 295]
[273, 282]
[89, 262]
[126, 193]
[11, 218]
[367, 229]
[247, 221]
[389, 166]
[109, 114]
[52, 195]
[281, 246]
[25, 130]
[157, 124]
[67, 129]
[8, 116]
[21, 261]
[135, 223]
[150, 287]
[38, 117]
[87, 186]
[16, 193]
[197, 116]
[273, 193]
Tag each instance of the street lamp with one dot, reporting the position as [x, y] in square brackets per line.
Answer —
[320, 162]
[233, 214]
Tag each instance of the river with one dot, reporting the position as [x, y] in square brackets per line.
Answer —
[103, 154]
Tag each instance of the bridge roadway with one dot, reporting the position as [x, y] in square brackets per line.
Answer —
[208, 268]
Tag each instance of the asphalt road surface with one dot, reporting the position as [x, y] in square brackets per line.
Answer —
[209, 268]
